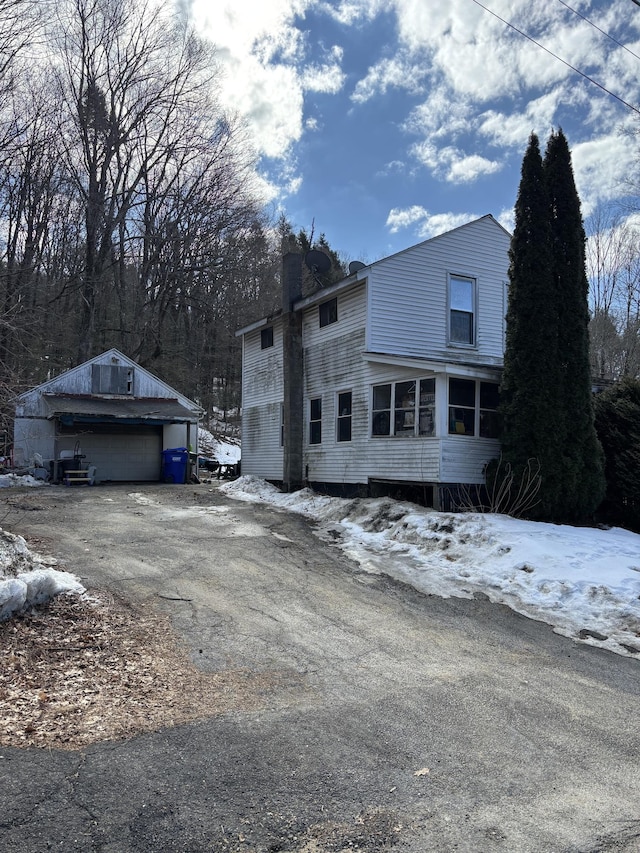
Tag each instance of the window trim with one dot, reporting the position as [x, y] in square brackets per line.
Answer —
[454, 342]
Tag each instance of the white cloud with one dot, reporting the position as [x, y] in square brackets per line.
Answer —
[507, 218]
[328, 78]
[429, 224]
[465, 169]
[602, 167]
[513, 129]
[443, 114]
[262, 54]
[398, 219]
[452, 164]
[350, 12]
[396, 72]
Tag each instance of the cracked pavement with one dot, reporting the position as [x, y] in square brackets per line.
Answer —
[399, 722]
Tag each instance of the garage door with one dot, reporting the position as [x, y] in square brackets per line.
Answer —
[124, 456]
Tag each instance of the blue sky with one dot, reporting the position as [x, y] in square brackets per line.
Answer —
[385, 122]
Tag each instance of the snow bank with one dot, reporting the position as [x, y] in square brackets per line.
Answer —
[8, 480]
[27, 578]
[583, 581]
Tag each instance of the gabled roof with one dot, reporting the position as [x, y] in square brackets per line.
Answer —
[115, 356]
[360, 275]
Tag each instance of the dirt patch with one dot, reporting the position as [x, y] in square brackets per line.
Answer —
[77, 671]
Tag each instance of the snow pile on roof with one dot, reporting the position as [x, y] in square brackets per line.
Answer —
[27, 578]
[583, 581]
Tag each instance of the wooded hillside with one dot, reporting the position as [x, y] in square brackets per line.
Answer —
[129, 213]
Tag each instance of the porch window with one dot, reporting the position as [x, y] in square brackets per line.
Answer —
[462, 406]
[315, 421]
[427, 407]
[473, 408]
[381, 410]
[266, 337]
[343, 431]
[404, 421]
[412, 404]
[462, 310]
[489, 418]
[328, 312]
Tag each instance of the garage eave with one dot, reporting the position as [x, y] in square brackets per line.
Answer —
[88, 409]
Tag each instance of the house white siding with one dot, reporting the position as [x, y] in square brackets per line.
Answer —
[333, 363]
[263, 391]
[408, 295]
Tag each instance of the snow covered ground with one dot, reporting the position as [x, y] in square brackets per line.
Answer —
[224, 450]
[583, 581]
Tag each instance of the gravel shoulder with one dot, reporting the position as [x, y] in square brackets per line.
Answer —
[255, 691]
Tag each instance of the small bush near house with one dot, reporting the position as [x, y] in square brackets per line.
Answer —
[617, 413]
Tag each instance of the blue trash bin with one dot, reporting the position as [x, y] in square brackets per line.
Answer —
[174, 465]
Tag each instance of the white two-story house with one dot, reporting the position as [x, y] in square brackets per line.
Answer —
[389, 377]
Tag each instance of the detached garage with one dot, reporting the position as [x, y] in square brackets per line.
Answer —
[110, 414]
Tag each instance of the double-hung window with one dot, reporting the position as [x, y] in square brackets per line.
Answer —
[404, 408]
[343, 420]
[462, 300]
[315, 420]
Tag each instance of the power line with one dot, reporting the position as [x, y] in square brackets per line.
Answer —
[595, 26]
[559, 58]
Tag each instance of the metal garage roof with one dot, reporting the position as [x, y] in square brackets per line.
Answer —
[110, 409]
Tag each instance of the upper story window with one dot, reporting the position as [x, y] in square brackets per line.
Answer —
[343, 426]
[462, 300]
[328, 312]
[404, 408]
[266, 337]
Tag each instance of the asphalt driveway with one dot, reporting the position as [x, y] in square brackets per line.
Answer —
[402, 721]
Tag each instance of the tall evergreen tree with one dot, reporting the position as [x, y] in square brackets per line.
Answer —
[530, 388]
[582, 459]
[546, 391]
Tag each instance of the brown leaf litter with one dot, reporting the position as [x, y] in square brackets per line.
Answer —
[76, 671]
